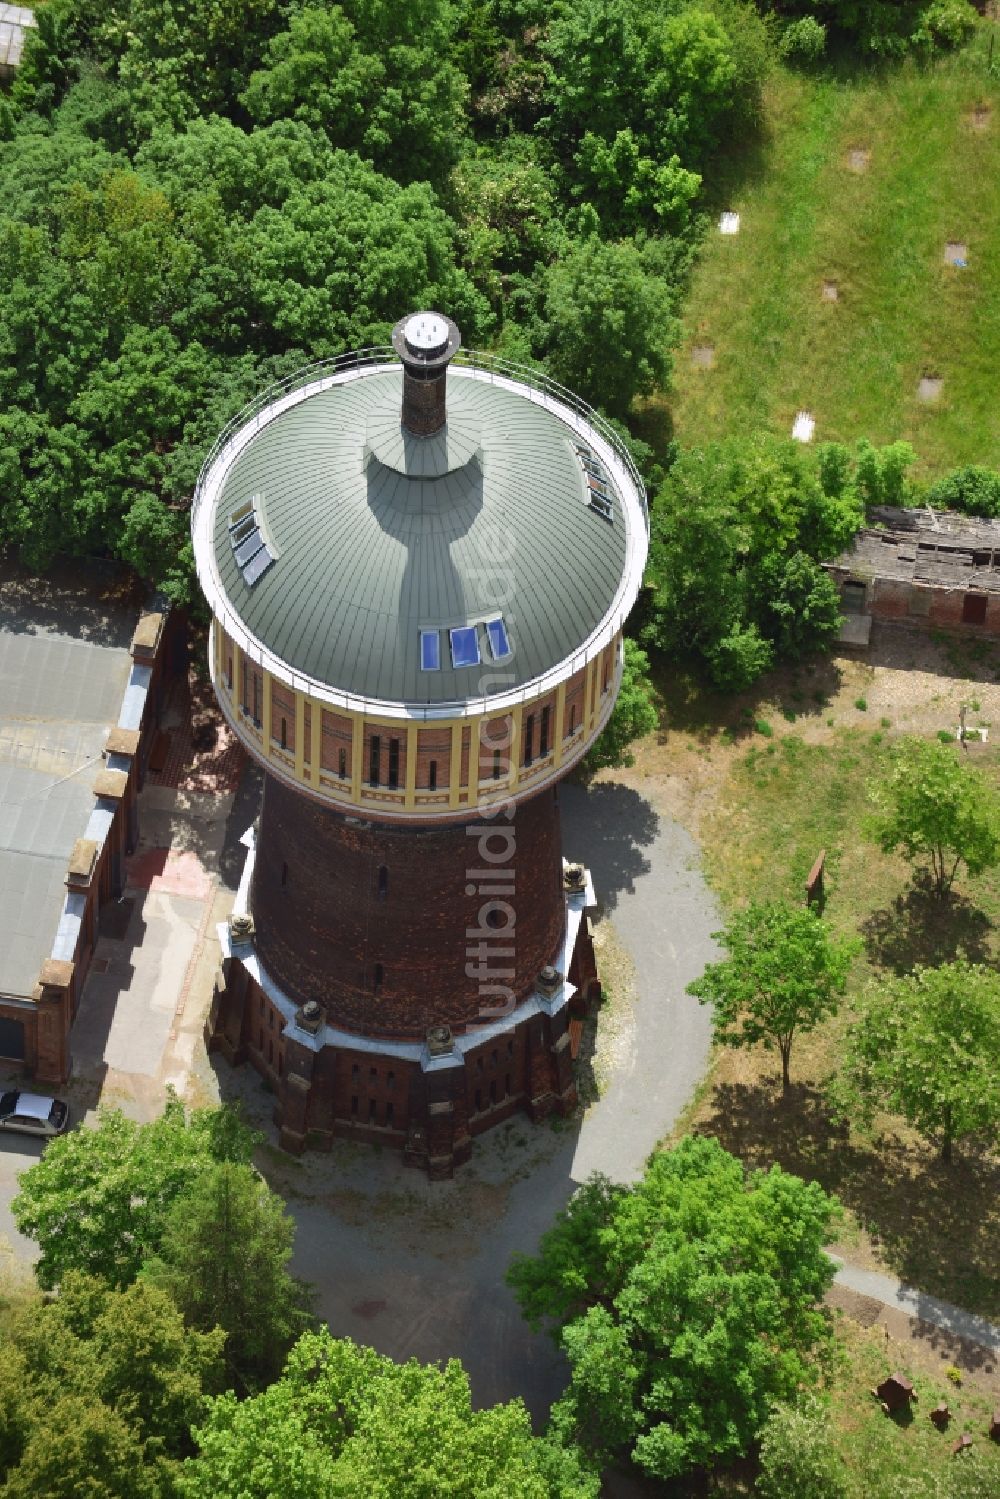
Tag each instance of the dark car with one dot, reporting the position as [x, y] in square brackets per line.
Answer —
[31, 1114]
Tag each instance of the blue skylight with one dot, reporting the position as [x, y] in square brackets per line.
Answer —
[499, 644]
[430, 650]
[465, 646]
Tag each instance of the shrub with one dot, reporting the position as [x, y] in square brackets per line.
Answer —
[798, 1459]
[974, 490]
[943, 23]
[803, 40]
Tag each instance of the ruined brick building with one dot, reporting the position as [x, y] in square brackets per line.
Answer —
[419, 562]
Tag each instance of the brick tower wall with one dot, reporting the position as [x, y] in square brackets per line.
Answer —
[374, 920]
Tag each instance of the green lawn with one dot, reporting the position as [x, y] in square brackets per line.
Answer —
[807, 217]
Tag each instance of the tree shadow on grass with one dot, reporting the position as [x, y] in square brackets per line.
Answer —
[693, 705]
[919, 928]
[935, 1226]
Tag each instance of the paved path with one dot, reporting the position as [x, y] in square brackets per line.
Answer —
[646, 872]
[917, 1304]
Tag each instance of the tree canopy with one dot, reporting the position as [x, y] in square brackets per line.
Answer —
[738, 532]
[99, 1199]
[198, 199]
[927, 1046]
[686, 1305]
[223, 1257]
[633, 715]
[345, 1420]
[99, 1391]
[783, 974]
[932, 807]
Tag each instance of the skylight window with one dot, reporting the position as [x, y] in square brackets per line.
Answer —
[249, 548]
[496, 630]
[241, 530]
[257, 566]
[430, 650]
[464, 646]
[598, 490]
[253, 554]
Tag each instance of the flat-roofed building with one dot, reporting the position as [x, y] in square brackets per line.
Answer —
[78, 679]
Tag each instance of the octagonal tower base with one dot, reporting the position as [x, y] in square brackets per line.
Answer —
[405, 987]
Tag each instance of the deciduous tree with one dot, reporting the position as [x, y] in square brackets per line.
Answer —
[927, 1046]
[609, 323]
[686, 1305]
[931, 806]
[798, 1455]
[345, 1420]
[98, 1200]
[633, 715]
[784, 973]
[738, 529]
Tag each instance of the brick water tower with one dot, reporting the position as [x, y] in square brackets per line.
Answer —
[419, 561]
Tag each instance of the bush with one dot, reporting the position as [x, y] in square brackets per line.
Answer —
[803, 40]
[973, 490]
[943, 23]
[798, 1459]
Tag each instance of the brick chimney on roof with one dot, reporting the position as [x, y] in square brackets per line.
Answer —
[426, 342]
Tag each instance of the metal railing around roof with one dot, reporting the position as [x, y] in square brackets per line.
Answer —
[365, 361]
[490, 364]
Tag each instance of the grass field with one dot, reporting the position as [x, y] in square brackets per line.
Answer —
[932, 135]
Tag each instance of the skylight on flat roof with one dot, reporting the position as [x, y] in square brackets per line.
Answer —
[464, 646]
[496, 630]
[430, 650]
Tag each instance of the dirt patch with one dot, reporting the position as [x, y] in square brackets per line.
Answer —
[929, 388]
[979, 118]
[830, 291]
[858, 159]
[703, 356]
[368, 1310]
[956, 252]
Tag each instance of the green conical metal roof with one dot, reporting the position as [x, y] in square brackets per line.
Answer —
[377, 535]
